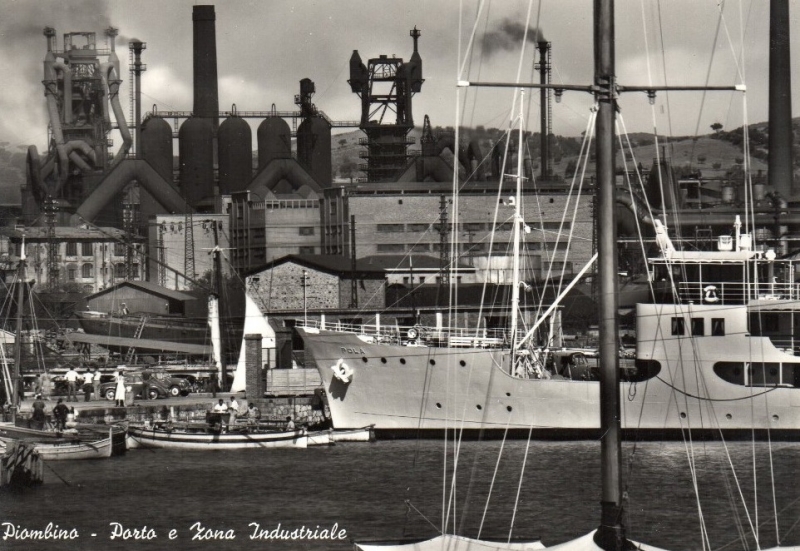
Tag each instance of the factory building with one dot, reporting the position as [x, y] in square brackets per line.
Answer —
[91, 259]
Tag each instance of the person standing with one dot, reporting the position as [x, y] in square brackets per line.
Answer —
[119, 393]
[38, 417]
[233, 411]
[60, 412]
[72, 381]
[213, 384]
[88, 378]
[145, 385]
[96, 383]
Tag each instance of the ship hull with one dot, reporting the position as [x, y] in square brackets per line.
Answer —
[156, 328]
[408, 391]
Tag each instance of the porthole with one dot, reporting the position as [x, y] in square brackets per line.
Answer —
[683, 415]
[432, 362]
[509, 408]
[479, 407]
[383, 360]
[438, 405]
[364, 359]
[462, 363]
[403, 361]
[728, 416]
[508, 394]
[775, 418]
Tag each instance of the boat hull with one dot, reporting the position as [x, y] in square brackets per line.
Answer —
[140, 437]
[156, 328]
[62, 451]
[407, 391]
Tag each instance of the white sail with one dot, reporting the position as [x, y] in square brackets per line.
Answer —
[255, 323]
[216, 341]
[454, 543]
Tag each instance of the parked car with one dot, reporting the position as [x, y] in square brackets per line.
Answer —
[178, 386]
[158, 388]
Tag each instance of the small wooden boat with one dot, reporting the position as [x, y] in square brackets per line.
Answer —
[200, 436]
[72, 447]
[320, 438]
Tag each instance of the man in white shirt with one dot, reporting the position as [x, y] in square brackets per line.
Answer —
[72, 381]
[96, 383]
[88, 379]
[233, 410]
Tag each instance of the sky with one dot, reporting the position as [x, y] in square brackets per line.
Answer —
[264, 48]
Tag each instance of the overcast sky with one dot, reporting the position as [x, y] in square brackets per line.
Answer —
[265, 47]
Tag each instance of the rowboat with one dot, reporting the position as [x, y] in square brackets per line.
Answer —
[198, 436]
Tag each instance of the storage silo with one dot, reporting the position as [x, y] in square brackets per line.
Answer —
[196, 151]
[156, 148]
[235, 153]
[274, 141]
[314, 149]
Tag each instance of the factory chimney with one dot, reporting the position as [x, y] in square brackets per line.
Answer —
[544, 105]
[780, 100]
[206, 95]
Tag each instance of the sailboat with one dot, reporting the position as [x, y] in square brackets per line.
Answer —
[81, 442]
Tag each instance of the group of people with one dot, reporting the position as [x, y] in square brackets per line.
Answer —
[89, 382]
[233, 411]
[38, 419]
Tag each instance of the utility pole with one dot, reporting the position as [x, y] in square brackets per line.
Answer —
[444, 246]
[353, 281]
[304, 283]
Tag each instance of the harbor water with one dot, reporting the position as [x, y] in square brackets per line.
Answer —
[323, 498]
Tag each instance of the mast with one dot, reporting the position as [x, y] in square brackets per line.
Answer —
[517, 224]
[218, 290]
[15, 397]
[611, 532]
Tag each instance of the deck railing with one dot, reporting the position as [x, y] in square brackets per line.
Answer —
[713, 292]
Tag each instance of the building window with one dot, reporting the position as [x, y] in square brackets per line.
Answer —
[418, 228]
[698, 327]
[472, 226]
[87, 249]
[119, 249]
[119, 271]
[390, 228]
[72, 249]
[307, 230]
[505, 226]
[71, 273]
[135, 271]
[86, 271]
[717, 327]
[678, 326]
[306, 250]
[554, 225]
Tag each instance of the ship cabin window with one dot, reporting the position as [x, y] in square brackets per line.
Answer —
[717, 327]
[759, 373]
[698, 327]
[678, 327]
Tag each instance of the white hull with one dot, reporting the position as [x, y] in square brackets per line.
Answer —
[49, 451]
[400, 388]
[139, 437]
[365, 434]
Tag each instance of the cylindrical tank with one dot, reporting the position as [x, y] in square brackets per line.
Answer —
[274, 141]
[156, 142]
[235, 151]
[314, 149]
[196, 151]
[727, 194]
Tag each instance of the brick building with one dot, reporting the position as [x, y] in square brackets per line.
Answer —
[316, 283]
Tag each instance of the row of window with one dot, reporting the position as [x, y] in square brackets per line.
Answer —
[469, 227]
[87, 271]
[759, 373]
[698, 327]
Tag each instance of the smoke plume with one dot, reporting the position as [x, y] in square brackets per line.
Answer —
[508, 35]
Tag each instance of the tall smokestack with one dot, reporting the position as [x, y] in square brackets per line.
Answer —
[780, 100]
[544, 107]
[206, 95]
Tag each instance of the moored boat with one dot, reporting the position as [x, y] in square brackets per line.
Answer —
[199, 436]
[70, 446]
